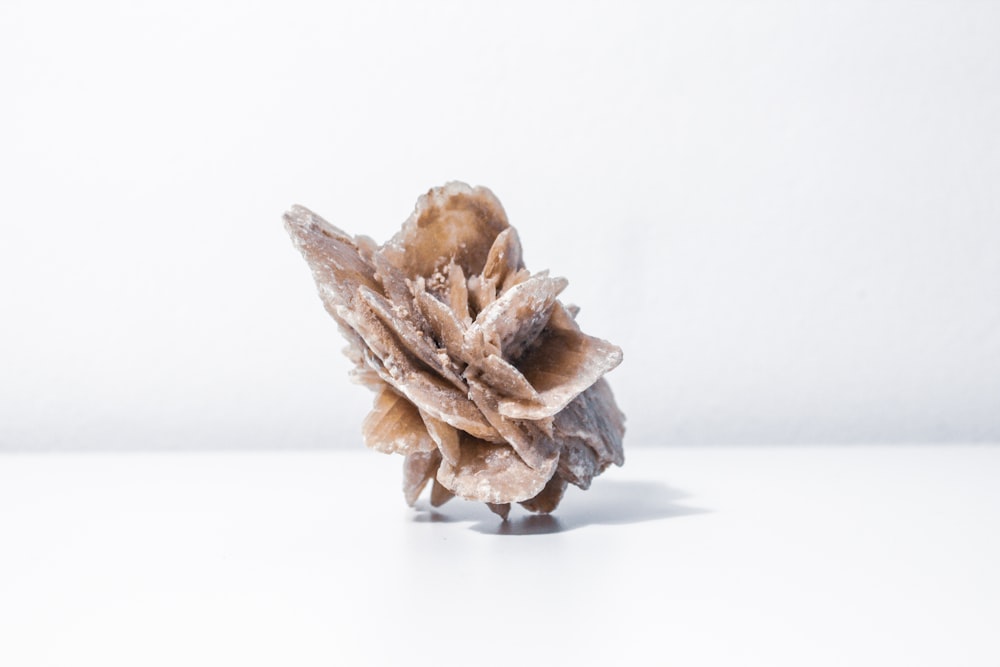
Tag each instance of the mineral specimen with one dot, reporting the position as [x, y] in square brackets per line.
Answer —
[482, 378]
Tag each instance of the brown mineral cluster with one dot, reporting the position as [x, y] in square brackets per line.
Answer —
[482, 377]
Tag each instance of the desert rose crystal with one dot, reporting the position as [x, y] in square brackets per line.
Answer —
[482, 378]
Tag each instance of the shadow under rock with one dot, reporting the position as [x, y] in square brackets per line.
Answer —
[607, 502]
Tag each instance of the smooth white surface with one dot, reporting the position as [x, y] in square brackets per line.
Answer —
[697, 556]
[788, 210]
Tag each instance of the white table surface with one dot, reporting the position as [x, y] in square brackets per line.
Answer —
[882, 555]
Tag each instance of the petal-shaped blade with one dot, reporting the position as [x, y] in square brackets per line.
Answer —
[529, 441]
[397, 290]
[578, 464]
[361, 373]
[439, 494]
[500, 509]
[418, 469]
[458, 294]
[505, 257]
[444, 324]
[514, 279]
[444, 436]
[590, 430]
[453, 222]
[549, 498]
[515, 320]
[334, 257]
[394, 426]
[414, 340]
[594, 418]
[492, 474]
[482, 292]
[505, 379]
[436, 397]
[392, 279]
[562, 364]
[384, 355]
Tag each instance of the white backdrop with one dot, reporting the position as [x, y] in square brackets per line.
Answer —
[787, 214]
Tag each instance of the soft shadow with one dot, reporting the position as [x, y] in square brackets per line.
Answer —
[607, 503]
[532, 524]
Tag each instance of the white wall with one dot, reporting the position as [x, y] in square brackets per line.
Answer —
[787, 214]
